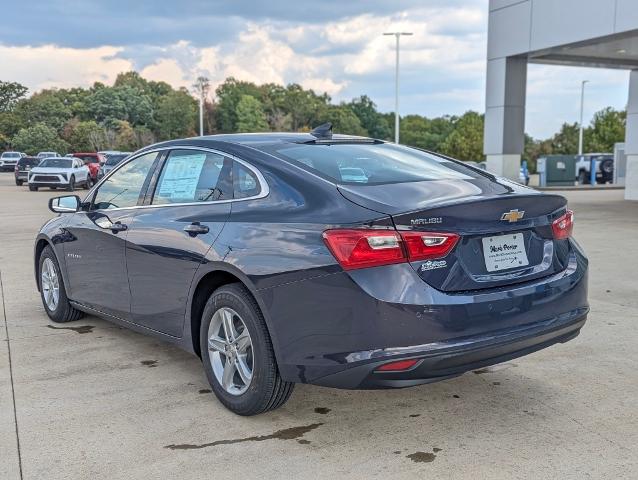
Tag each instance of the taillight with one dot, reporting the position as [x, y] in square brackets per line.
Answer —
[562, 227]
[365, 248]
[428, 245]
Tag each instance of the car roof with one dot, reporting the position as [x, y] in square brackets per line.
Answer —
[257, 139]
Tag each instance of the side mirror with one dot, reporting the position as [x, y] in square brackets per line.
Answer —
[66, 204]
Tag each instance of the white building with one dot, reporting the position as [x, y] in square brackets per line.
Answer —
[589, 33]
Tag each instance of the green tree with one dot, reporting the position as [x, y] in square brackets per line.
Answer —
[466, 141]
[250, 115]
[371, 120]
[108, 105]
[426, 133]
[229, 94]
[176, 115]
[565, 142]
[10, 93]
[84, 136]
[607, 128]
[37, 138]
[343, 120]
[304, 106]
[44, 107]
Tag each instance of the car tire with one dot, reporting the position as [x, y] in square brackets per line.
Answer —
[19, 182]
[71, 186]
[582, 177]
[266, 390]
[61, 310]
[33, 188]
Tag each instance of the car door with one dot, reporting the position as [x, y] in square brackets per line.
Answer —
[95, 256]
[186, 209]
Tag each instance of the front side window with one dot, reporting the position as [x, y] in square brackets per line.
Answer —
[122, 189]
[194, 176]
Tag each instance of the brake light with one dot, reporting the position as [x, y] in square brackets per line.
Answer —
[365, 248]
[562, 227]
[428, 245]
[398, 366]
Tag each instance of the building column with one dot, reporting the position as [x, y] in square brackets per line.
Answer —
[631, 139]
[505, 115]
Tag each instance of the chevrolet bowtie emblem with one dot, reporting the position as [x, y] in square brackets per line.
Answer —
[513, 216]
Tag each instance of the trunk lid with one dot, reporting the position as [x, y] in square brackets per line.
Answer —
[505, 229]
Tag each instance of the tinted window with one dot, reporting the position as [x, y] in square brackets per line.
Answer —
[122, 189]
[112, 160]
[32, 162]
[245, 181]
[87, 158]
[56, 163]
[194, 176]
[372, 163]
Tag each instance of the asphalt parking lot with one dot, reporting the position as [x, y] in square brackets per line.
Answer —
[96, 401]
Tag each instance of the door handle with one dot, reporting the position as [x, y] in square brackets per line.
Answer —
[195, 229]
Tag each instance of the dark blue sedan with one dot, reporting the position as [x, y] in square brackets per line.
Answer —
[316, 258]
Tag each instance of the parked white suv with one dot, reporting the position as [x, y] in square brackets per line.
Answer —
[8, 160]
[59, 172]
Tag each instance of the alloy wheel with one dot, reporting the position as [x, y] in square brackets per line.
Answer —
[230, 351]
[50, 284]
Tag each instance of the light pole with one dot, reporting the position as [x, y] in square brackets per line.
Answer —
[397, 35]
[201, 107]
[582, 105]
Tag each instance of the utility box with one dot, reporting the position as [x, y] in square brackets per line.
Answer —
[557, 170]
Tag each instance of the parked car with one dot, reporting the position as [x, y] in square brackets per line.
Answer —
[110, 161]
[8, 160]
[254, 252]
[59, 172]
[92, 161]
[604, 168]
[23, 167]
[47, 154]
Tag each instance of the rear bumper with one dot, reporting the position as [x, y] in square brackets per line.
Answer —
[442, 361]
[336, 330]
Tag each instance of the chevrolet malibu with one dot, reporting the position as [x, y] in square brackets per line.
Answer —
[266, 256]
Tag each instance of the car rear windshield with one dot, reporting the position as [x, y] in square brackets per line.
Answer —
[372, 164]
[88, 158]
[56, 163]
[114, 159]
[31, 162]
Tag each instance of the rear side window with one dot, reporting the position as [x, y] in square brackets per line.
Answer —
[245, 182]
[194, 176]
[372, 164]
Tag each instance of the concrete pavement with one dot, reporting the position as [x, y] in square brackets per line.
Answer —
[96, 401]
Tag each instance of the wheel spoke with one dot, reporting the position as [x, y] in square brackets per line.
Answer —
[229, 373]
[229, 328]
[242, 369]
[243, 341]
[216, 344]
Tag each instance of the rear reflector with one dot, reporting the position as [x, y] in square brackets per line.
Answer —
[398, 366]
[363, 248]
[428, 245]
[562, 227]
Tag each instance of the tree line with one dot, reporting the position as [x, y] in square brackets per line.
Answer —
[134, 112]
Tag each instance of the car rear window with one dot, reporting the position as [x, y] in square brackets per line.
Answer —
[87, 158]
[10, 155]
[56, 163]
[114, 159]
[372, 164]
[31, 162]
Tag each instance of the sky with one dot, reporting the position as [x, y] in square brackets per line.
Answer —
[329, 45]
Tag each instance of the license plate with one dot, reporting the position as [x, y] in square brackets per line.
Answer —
[504, 252]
